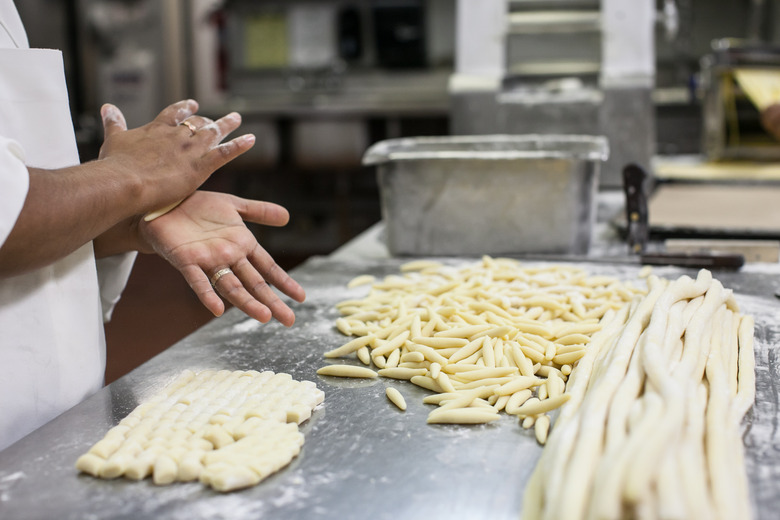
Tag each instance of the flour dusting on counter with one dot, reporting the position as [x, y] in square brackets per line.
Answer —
[7, 482]
[248, 325]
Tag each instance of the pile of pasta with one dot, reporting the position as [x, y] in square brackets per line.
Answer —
[494, 335]
[652, 426]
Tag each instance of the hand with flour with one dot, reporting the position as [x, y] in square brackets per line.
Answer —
[137, 171]
[170, 157]
[204, 237]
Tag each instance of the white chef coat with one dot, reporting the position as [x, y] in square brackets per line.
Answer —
[52, 343]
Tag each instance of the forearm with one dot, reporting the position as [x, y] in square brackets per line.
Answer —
[64, 209]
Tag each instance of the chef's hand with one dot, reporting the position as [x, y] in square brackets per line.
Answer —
[171, 156]
[205, 234]
[770, 120]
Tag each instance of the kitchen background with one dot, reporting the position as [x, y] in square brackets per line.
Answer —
[318, 81]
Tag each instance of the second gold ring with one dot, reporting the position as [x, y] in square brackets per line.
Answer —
[193, 129]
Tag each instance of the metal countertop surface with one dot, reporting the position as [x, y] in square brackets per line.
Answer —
[362, 457]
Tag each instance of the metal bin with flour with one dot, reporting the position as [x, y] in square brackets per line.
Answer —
[489, 194]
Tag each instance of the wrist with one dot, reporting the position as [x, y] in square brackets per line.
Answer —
[124, 237]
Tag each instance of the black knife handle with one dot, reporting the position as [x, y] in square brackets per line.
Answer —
[636, 207]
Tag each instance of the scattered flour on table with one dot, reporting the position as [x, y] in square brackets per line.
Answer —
[248, 325]
[7, 482]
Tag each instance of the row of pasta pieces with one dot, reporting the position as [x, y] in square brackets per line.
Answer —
[494, 347]
[489, 270]
[568, 301]
[451, 321]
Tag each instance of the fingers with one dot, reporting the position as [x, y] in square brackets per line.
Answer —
[255, 288]
[177, 112]
[113, 120]
[263, 213]
[275, 275]
[201, 286]
[212, 133]
[248, 287]
[207, 132]
[216, 131]
[246, 290]
[224, 153]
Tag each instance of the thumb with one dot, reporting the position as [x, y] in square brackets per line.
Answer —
[113, 120]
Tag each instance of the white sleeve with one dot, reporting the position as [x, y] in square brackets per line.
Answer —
[113, 273]
[14, 183]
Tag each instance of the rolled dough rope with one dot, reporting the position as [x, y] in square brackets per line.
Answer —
[668, 486]
[695, 354]
[693, 470]
[746, 385]
[671, 386]
[730, 350]
[715, 438]
[725, 489]
[689, 356]
[162, 211]
[638, 318]
[740, 485]
[587, 447]
[613, 466]
[619, 415]
[552, 465]
[608, 475]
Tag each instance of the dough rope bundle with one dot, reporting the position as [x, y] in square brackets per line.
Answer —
[488, 337]
[652, 427]
[229, 430]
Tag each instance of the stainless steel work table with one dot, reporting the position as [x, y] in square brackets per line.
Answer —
[362, 458]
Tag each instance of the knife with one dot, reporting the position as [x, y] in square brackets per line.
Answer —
[637, 218]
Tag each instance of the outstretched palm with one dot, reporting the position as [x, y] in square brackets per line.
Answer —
[206, 233]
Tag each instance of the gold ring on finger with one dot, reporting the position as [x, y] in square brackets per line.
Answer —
[192, 127]
[219, 274]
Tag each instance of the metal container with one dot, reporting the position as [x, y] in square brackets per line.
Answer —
[488, 194]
